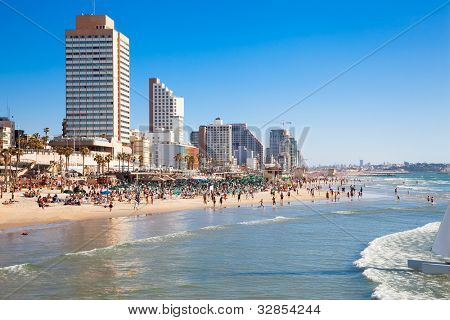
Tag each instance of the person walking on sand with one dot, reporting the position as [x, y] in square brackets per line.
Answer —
[261, 203]
[40, 202]
[111, 205]
[274, 202]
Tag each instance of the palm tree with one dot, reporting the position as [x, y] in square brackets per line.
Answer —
[84, 152]
[178, 157]
[128, 159]
[46, 131]
[133, 160]
[60, 151]
[17, 153]
[6, 155]
[108, 158]
[68, 151]
[1, 186]
[14, 152]
[191, 162]
[199, 159]
[99, 159]
[187, 159]
[23, 142]
[121, 157]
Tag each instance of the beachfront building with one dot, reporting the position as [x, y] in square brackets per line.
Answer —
[168, 156]
[243, 137]
[7, 136]
[97, 82]
[293, 153]
[140, 146]
[161, 136]
[219, 143]
[202, 140]
[194, 138]
[245, 157]
[166, 110]
[283, 149]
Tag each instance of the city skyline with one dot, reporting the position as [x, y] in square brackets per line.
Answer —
[396, 83]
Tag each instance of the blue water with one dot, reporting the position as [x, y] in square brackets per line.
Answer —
[304, 250]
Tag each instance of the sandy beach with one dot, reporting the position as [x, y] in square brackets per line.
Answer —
[26, 212]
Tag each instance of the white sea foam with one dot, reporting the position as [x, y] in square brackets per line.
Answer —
[344, 212]
[279, 219]
[385, 262]
[20, 269]
[213, 228]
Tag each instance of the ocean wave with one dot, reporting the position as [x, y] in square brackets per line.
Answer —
[279, 219]
[344, 212]
[419, 188]
[18, 269]
[127, 244]
[170, 237]
[385, 262]
[213, 228]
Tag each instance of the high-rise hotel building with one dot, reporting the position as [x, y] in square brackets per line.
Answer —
[166, 109]
[97, 80]
[219, 142]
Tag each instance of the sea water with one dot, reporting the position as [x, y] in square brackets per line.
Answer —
[302, 250]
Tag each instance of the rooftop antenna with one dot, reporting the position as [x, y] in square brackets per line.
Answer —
[284, 123]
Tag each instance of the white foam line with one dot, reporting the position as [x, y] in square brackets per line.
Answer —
[18, 268]
[154, 239]
[267, 221]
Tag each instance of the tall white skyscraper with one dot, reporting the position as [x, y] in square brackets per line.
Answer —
[166, 109]
[97, 80]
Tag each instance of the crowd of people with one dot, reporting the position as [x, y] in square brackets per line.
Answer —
[214, 192]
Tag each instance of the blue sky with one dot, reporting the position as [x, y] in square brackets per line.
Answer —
[246, 61]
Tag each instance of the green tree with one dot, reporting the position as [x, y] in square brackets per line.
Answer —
[68, 151]
[84, 152]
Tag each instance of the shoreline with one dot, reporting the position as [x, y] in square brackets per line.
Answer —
[26, 212]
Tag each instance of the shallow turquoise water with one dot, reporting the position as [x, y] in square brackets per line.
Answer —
[298, 251]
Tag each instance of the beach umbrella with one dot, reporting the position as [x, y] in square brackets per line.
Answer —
[105, 192]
